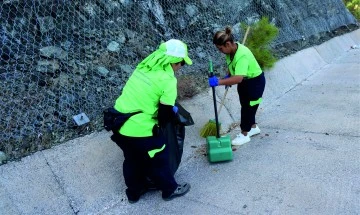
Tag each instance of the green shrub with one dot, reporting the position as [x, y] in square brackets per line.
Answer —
[354, 7]
[261, 34]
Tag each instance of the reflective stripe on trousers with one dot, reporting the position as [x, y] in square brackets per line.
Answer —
[256, 102]
[154, 151]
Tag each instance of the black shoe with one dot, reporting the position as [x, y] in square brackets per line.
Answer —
[132, 201]
[133, 198]
[181, 190]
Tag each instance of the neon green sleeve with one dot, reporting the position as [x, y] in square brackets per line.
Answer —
[169, 92]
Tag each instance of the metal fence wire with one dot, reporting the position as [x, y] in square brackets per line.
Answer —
[64, 61]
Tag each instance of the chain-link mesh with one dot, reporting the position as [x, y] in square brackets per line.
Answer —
[61, 58]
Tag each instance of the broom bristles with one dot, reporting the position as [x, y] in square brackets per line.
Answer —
[209, 129]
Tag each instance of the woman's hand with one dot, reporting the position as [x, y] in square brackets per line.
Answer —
[213, 81]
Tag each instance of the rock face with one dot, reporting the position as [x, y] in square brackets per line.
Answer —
[61, 58]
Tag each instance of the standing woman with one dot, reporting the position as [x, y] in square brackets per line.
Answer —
[152, 91]
[243, 70]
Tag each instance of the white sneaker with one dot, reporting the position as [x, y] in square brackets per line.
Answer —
[254, 131]
[240, 139]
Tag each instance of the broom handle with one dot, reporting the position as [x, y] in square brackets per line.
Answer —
[246, 35]
[227, 88]
[223, 100]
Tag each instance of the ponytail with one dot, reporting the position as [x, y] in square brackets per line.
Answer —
[221, 37]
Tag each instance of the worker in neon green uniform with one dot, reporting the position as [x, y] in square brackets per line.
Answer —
[152, 90]
[243, 70]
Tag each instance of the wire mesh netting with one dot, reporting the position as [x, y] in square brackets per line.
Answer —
[62, 58]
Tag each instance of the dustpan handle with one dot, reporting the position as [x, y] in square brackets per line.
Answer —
[211, 74]
[216, 115]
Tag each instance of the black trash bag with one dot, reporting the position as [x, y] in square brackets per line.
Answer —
[174, 136]
[114, 120]
[174, 133]
[183, 117]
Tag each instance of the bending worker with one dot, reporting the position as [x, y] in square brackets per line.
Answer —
[151, 89]
[243, 70]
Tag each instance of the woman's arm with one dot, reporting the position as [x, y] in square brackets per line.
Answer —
[165, 114]
[234, 79]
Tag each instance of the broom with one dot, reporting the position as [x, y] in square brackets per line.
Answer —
[210, 128]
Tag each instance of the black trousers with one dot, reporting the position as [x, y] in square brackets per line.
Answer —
[250, 90]
[138, 165]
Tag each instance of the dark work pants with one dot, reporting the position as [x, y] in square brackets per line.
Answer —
[138, 164]
[250, 90]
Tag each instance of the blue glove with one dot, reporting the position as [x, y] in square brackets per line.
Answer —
[175, 109]
[213, 81]
[227, 76]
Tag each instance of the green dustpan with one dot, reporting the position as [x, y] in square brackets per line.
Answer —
[218, 148]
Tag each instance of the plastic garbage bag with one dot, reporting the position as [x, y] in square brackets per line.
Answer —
[175, 136]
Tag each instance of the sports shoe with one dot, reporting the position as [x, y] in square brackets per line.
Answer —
[240, 139]
[254, 131]
[181, 190]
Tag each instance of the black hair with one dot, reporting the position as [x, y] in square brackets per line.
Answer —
[221, 37]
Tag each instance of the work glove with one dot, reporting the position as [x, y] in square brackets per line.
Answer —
[213, 81]
[227, 76]
[175, 109]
